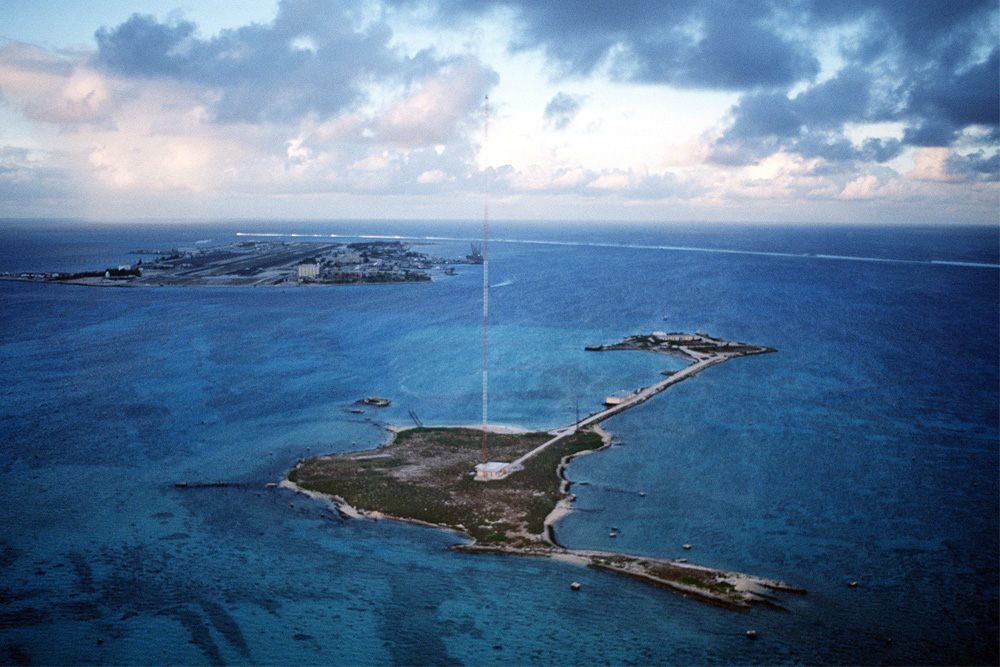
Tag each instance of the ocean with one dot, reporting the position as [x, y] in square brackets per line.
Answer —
[865, 449]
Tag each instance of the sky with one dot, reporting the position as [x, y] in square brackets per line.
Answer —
[799, 111]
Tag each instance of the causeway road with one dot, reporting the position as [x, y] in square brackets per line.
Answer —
[640, 396]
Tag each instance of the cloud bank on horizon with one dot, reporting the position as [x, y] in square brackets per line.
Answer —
[796, 110]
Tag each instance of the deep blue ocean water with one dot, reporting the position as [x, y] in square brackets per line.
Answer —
[865, 449]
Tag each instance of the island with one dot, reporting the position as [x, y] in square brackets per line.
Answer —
[265, 264]
[429, 476]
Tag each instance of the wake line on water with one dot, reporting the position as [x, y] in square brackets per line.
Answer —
[636, 246]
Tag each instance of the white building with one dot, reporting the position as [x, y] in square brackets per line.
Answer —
[491, 470]
[618, 397]
[308, 270]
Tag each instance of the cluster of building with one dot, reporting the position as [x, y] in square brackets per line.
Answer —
[267, 263]
[370, 262]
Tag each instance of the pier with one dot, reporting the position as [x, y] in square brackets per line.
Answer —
[702, 350]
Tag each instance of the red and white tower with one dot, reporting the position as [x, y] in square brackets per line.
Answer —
[486, 275]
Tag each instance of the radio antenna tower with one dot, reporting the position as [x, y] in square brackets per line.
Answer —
[486, 269]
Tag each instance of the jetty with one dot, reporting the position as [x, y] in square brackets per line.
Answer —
[702, 350]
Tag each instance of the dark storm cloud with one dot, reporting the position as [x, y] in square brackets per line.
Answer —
[929, 29]
[822, 108]
[143, 46]
[311, 59]
[934, 104]
[738, 48]
[982, 164]
[880, 150]
[561, 110]
[728, 45]
[765, 115]
[931, 65]
[949, 101]
[705, 44]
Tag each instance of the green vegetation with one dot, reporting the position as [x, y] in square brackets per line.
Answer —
[426, 474]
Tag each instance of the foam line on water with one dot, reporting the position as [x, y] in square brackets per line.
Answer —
[634, 246]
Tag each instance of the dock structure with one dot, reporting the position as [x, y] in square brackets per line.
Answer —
[702, 350]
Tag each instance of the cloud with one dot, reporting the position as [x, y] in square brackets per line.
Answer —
[933, 164]
[702, 44]
[439, 108]
[933, 106]
[52, 89]
[301, 104]
[561, 110]
[317, 57]
[869, 187]
[805, 69]
[977, 164]
[943, 165]
[944, 102]
[827, 102]
[881, 150]
[765, 115]
[31, 176]
[432, 177]
[737, 48]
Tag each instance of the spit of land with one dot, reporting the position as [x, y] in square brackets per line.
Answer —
[429, 476]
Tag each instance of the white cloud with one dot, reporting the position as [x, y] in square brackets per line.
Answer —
[435, 112]
[868, 187]
[432, 177]
[931, 164]
[615, 180]
[50, 89]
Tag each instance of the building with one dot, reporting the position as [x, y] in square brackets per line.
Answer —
[618, 397]
[308, 270]
[676, 337]
[491, 470]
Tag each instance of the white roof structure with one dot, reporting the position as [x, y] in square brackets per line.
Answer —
[491, 470]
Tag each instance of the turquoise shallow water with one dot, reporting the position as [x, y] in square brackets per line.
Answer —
[865, 449]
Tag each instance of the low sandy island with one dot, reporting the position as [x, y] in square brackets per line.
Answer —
[425, 475]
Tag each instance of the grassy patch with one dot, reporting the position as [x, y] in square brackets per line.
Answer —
[427, 476]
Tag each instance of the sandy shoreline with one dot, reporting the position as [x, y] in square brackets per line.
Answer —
[729, 589]
[565, 504]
